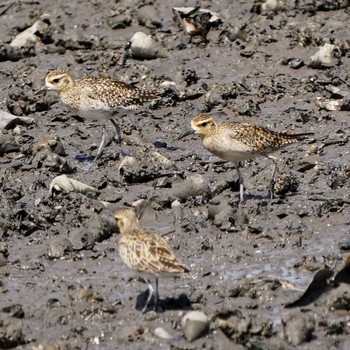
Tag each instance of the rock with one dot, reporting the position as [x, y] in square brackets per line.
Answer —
[193, 186]
[344, 244]
[11, 334]
[118, 21]
[194, 325]
[146, 165]
[59, 247]
[298, 328]
[8, 144]
[149, 17]
[33, 34]
[9, 53]
[162, 333]
[53, 162]
[142, 46]
[52, 144]
[15, 310]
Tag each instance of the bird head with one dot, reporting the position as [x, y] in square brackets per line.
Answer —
[58, 81]
[203, 125]
[126, 219]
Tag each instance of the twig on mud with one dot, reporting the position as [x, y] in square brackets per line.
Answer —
[325, 199]
[6, 9]
[9, 4]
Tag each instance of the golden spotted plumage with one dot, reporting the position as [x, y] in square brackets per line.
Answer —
[237, 142]
[147, 253]
[97, 98]
[91, 94]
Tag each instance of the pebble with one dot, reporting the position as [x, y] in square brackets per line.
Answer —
[194, 325]
[162, 333]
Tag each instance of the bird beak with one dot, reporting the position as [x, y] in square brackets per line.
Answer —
[185, 134]
[41, 90]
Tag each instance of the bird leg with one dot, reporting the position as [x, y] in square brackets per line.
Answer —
[157, 307]
[100, 148]
[118, 135]
[156, 295]
[241, 183]
[150, 295]
[104, 135]
[274, 170]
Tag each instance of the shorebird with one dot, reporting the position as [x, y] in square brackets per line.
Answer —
[148, 254]
[197, 21]
[233, 141]
[97, 98]
[322, 283]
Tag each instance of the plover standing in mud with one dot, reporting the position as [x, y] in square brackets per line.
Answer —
[146, 253]
[237, 142]
[97, 98]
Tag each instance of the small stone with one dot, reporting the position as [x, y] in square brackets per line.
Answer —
[344, 244]
[298, 329]
[59, 247]
[162, 333]
[194, 325]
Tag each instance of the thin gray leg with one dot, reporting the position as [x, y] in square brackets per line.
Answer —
[150, 295]
[156, 295]
[118, 135]
[274, 170]
[241, 183]
[100, 148]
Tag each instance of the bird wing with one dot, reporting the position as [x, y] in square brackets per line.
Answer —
[110, 94]
[148, 252]
[258, 138]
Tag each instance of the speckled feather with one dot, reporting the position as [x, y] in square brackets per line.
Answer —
[247, 139]
[144, 251]
[90, 94]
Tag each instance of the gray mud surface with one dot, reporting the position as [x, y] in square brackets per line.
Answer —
[62, 283]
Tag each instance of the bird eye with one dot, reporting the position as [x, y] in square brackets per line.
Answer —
[204, 123]
[56, 80]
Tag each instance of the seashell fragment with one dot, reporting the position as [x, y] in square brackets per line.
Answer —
[324, 57]
[65, 184]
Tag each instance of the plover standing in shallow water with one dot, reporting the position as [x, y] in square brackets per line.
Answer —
[237, 142]
[146, 253]
[97, 98]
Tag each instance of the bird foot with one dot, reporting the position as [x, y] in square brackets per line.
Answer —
[156, 307]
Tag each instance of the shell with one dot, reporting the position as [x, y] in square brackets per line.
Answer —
[324, 57]
[65, 184]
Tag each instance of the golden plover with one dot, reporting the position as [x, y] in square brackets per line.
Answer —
[237, 142]
[147, 253]
[97, 98]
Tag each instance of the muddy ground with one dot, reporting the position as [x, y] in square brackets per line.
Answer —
[63, 285]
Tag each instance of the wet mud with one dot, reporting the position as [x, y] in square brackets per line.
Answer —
[62, 282]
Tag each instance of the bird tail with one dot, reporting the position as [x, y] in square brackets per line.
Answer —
[149, 96]
[300, 136]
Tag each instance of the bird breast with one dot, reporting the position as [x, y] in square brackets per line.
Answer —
[229, 149]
